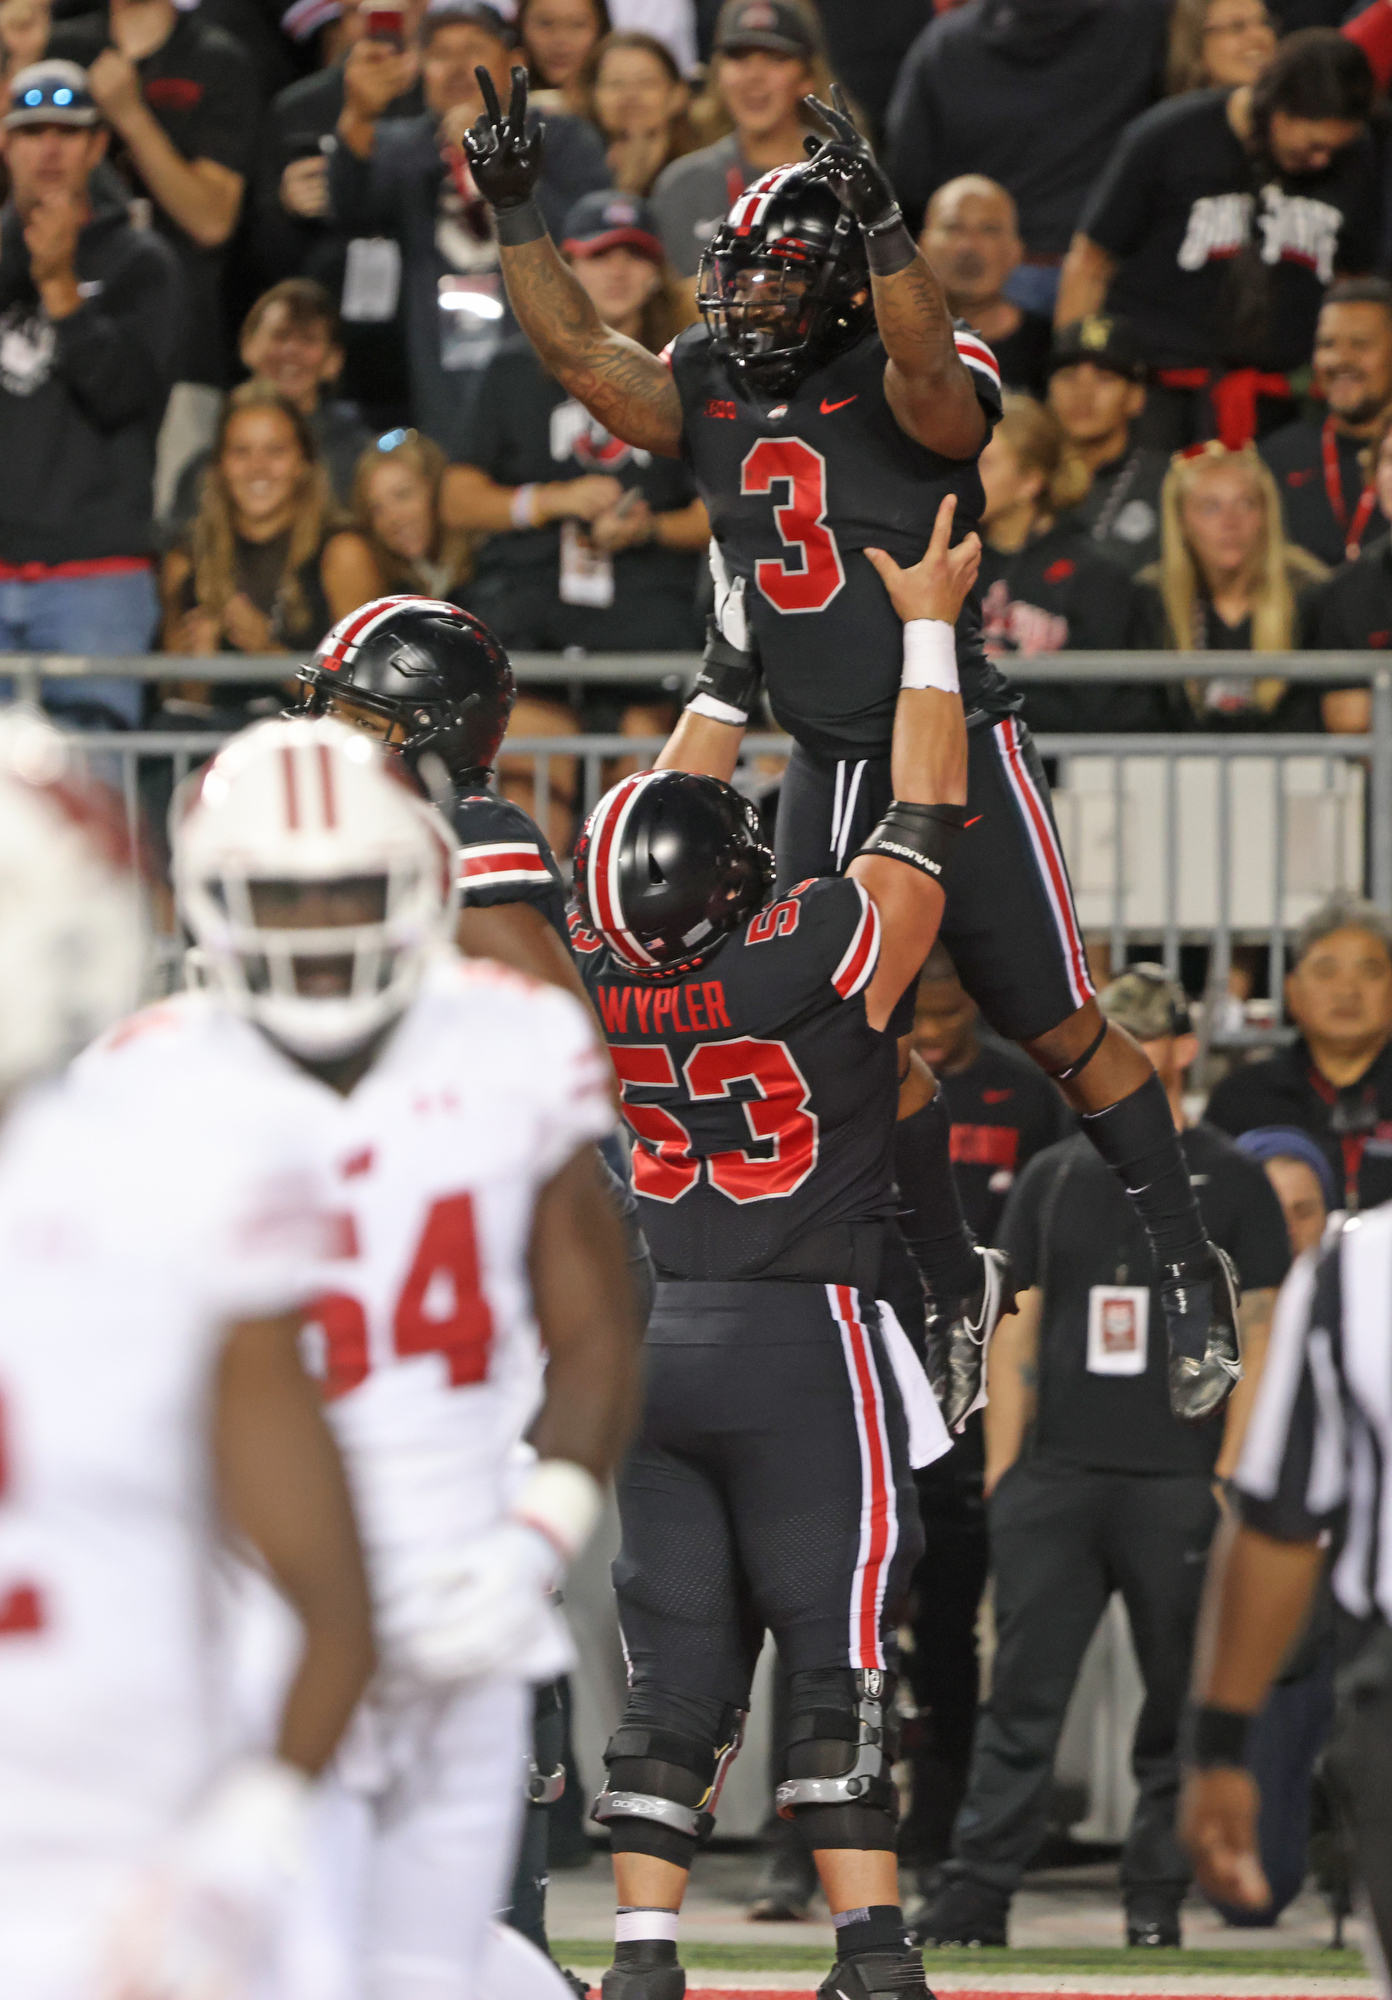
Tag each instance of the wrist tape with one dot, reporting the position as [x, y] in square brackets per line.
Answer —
[889, 248]
[727, 686]
[561, 1501]
[930, 656]
[1216, 1738]
[521, 222]
[922, 837]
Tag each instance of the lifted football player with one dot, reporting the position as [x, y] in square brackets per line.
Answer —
[459, 1106]
[771, 1483]
[828, 403]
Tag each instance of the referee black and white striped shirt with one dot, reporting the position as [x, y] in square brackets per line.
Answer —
[1320, 1435]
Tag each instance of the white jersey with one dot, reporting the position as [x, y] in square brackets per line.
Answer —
[144, 1206]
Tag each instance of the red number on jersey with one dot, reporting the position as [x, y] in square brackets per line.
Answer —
[442, 1309]
[778, 920]
[801, 524]
[663, 1168]
[779, 1113]
[21, 1606]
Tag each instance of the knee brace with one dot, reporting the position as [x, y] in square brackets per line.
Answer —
[664, 1785]
[842, 1741]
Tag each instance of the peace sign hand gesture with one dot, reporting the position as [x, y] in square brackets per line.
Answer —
[848, 163]
[504, 158]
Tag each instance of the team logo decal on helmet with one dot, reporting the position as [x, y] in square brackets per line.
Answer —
[433, 677]
[668, 865]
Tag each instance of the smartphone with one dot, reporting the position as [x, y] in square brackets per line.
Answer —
[386, 24]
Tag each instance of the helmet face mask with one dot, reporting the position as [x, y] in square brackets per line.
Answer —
[316, 926]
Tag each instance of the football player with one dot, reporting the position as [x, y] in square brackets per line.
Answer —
[459, 1105]
[827, 403]
[770, 1486]
[153, 1258]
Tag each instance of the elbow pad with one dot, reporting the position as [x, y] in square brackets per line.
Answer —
[922, 837]
[727, 686]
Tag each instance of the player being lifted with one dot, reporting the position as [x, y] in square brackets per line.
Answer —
[827, 403]
[458, 1105]
[771, 1483]
[154, 1255]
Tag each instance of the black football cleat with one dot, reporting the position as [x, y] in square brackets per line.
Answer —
[1152, 1923]
[639, 1981]
[956, 1335]
[1200, 1302]
[876, 1975]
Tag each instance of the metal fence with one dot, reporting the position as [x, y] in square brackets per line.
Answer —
[1225, 839]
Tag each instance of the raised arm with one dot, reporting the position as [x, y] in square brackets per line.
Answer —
[929, 388]
[630, 391]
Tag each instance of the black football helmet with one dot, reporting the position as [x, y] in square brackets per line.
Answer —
[667, 866]
[434, 669]
[785, 284]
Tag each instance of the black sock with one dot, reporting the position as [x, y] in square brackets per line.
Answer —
[645, 1954]
[878, 1928]
[935, 1227]
[1138, 1140]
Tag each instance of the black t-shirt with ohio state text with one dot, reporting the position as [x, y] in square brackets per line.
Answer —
[798, 485]
[760, 1100]
[527, 429]
[1177, 203]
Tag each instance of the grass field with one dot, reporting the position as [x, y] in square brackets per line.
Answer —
[1129, 1965]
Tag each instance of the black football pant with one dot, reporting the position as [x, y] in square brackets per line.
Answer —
[769, 1489]
[1062, 1541]
[1359, 1763]
[1009, 921]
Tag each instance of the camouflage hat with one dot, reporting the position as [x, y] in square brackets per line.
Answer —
[1147, 1003]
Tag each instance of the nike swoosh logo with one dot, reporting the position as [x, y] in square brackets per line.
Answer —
[827, 407]
[973, 822]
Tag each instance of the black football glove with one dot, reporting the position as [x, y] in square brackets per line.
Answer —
[504, 158]
[848, 163]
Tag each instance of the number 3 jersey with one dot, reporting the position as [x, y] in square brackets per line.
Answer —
[760, 1099]
[797, 485]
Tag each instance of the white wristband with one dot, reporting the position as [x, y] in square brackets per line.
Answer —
[717, 710]
[561, 1501]
[521, 508]
[930, 656]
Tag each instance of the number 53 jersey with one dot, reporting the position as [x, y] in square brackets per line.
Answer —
[761, 1101]
[796, 487]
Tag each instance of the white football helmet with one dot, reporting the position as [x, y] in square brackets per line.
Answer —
[73, 931]
[286, 807]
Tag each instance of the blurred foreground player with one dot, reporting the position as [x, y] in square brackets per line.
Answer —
[1313, 1465]
[459, 1105]
[152, 1267]
[829, 403]
[771, 1484]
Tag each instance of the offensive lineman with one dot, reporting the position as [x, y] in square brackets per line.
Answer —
[770, 1485]
[458, 1104]
[827, 403]
[152, 1262]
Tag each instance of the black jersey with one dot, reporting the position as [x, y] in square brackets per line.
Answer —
[760, 1099]
[796, 489]
[505, 857]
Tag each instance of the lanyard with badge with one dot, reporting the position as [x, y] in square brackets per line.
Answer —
[1352, 1125]
[1352, 531]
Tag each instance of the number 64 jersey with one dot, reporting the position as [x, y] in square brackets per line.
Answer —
[798, 483]
[761, 1101]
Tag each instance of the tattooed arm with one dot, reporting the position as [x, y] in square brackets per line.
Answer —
[629, 390]
[929, 389]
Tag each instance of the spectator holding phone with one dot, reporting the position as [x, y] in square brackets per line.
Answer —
[183, 104]
[265, 567]
[639, 100]
[91, 319]
[407, 178]
[291, 338]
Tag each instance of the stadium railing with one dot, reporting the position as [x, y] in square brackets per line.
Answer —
[1228, 839]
